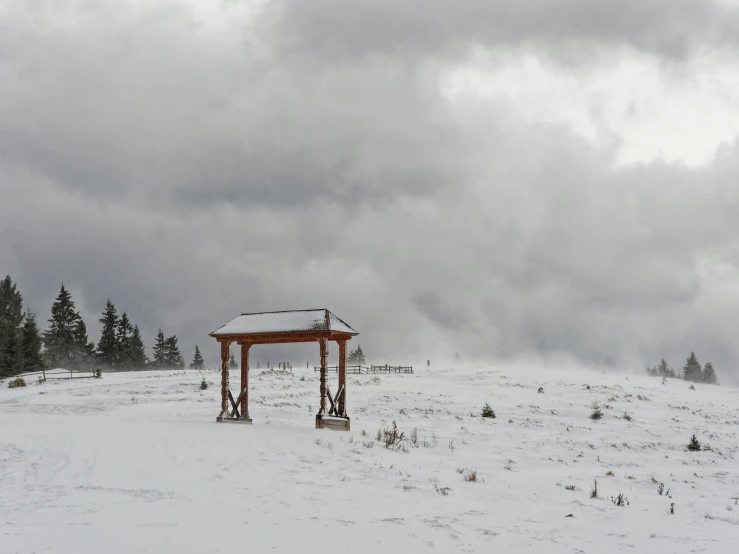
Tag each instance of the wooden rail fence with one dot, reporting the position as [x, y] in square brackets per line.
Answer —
[51, 374]
[359, 369]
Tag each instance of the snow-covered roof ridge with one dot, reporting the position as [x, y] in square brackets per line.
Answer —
[289, 321]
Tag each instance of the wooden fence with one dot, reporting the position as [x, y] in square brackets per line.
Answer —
[359, 369]
[51, 374]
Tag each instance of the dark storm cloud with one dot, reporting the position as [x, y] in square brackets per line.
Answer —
[308, 157]
[338, 29]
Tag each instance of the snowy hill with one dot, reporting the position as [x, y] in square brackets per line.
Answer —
[135, 462]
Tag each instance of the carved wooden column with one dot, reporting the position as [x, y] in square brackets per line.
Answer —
[342, 377]
[323, 343]
[245, 381]
[225, 354]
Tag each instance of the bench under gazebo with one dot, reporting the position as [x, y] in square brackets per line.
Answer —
[319, 326]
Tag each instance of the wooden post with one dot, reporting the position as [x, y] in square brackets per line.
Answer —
[342, 377]
[245, 380]
[324, 353]
[225, 355]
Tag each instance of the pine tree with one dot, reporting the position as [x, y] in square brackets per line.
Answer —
[137, 354]
[160, 351]
[107, 350]
[123, 336]
[709, 374]
[197, 359]
[31, 342]
[663, 369]
[692, 370]
[487, 411]
[84, 351]
[232, 363]
[12, 355]
[11, 318]
[359, 356]
[66, 339]
[172, 356]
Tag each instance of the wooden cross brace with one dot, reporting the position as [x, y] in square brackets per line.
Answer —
[235, 403]
[334, 410]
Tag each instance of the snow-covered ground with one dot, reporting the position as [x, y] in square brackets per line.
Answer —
[135, 462]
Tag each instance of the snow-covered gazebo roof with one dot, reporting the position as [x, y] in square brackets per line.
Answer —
[320, 321]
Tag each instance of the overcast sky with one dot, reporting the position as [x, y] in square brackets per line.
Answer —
[498, 178]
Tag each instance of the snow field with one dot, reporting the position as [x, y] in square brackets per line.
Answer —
[135, 462]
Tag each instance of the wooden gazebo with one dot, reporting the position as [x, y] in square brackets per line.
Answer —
[278, 328]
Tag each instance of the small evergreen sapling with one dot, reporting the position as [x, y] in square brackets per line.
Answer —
[487, 411]
[203, 384]
[17, 383]
[197, 359]
[694, 445]
[597, 413]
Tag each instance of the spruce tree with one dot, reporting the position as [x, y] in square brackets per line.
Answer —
[197, 359]
[137, 357]
[359, 355]
[107, 350]
[692, 370]
[160, 352]
[172, 356]
[663, 368]
[232, 363]
[62, 339]
[12, 356]
[11, 318]
[709, 374]
[124, 334]
[84, 351]
[31, 342]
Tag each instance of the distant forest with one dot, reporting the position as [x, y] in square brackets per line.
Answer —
[691, 371]
[25, 347]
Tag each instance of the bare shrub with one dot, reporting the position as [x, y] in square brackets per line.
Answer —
[414, 438]
[610, 474]
[368, 444]
[470, 475]
[620, 500]
[626, 416]
[443, 491]
[594, 491]
[391, 437]
[570, 487]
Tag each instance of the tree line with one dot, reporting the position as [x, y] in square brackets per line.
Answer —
[24, 347]
[691, 371]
